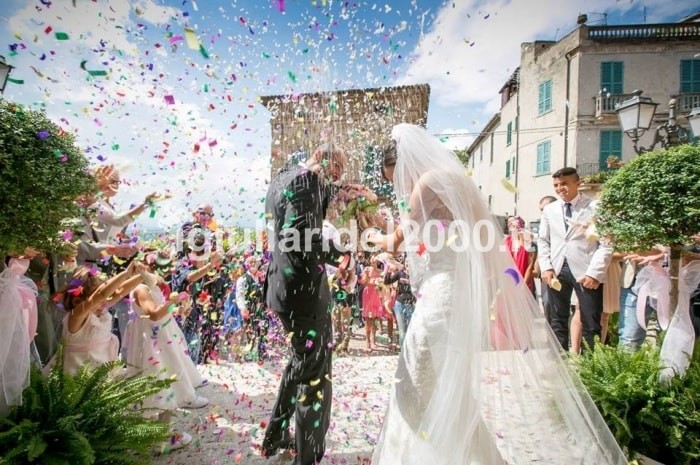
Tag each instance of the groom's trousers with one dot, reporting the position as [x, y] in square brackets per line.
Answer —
[590, 304]
[306, 388]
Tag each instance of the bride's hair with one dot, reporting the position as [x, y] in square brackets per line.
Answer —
[389, 154]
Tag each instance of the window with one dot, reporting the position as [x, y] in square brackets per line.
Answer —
[545, 97]
[610, 145]
[491, 151]
[690, 76]
[509, 133]
[508, 169]
[481, 153]
[611, 77]
[544, 150]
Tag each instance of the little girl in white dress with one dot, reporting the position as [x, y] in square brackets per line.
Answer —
[87, 328]
[158, 347]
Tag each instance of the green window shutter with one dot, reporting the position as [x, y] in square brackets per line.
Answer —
[508, 169]
[544, 150]
[548, 95]
[611, 76]
[610, 145]
[544, 103]
[509, 134]
[618, 77]
[690, 76]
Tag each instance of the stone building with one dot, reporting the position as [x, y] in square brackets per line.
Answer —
[558, 107]
[357, 119]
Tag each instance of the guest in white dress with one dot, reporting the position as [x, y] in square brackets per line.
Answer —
[157, 346]
[87, 326]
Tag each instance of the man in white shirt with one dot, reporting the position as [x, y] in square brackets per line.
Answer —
[571, 259]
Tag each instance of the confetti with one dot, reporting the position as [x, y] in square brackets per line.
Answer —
[191, 39]
[508, 186]
[515, 274]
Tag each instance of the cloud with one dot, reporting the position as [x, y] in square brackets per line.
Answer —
[473, 46]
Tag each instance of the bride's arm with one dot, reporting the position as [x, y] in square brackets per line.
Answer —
[423, 200]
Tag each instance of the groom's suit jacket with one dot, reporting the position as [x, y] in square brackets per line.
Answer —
[296, 205]
[585, 256]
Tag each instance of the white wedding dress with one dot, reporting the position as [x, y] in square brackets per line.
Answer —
[480, 378]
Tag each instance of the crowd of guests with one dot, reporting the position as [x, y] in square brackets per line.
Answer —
[163, 309]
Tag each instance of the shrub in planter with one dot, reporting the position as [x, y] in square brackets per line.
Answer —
[654, 199]
[42, 172]
[659, 420]
[82, 419]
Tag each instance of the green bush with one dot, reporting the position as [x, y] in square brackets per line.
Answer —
[42, 172]
[658, 420]
[653, 199]
[82, 419]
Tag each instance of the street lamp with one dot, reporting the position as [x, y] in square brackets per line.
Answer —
[694, 120]
[636, 114]
[5, 71]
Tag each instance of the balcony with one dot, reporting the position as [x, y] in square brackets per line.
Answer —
[588, 169]
[605, 104]
[688, 101]
[646, 32]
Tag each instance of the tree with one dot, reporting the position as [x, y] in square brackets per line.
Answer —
[42, 173]
[463, 156]
[654, 199]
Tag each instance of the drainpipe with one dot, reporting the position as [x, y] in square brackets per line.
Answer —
[517, 147]
[566, 110]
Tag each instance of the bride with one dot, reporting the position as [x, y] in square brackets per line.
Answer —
[480, 378]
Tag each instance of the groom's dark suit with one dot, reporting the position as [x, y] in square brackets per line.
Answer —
[296, 288]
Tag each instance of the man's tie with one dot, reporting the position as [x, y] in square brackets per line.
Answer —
[567, 213]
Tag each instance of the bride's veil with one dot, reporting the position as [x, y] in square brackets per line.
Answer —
[499, 375]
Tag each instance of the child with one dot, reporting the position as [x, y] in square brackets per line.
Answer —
[87, 329]
[158, 347]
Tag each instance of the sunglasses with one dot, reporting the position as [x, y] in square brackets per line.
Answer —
[203, 213]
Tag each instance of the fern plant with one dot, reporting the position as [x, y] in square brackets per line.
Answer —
[82, 419]
[658, 420]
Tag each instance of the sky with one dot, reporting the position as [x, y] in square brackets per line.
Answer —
[168, 90]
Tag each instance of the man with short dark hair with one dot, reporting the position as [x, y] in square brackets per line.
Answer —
[296, 288]
[571, 259]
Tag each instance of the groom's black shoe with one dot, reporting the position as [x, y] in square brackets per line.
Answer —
[269, 449]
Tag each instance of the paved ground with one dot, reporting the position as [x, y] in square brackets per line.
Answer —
[242, 394]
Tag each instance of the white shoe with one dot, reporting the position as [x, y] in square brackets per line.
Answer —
[177, 441]
[198, 402]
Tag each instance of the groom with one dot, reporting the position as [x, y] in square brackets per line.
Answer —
[296, 288]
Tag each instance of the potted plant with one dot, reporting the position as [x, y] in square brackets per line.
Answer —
[614, 162]
[648, 418]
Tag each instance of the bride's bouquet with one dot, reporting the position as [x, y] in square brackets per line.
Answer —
[358, 202]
